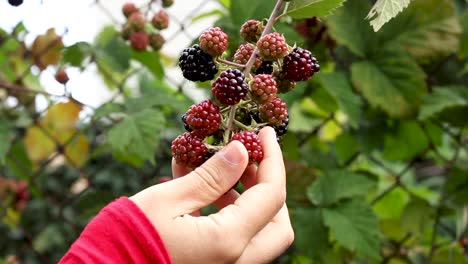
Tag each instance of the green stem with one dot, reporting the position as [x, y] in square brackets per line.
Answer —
[230, 63]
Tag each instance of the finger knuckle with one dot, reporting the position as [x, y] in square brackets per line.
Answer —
[211, 177]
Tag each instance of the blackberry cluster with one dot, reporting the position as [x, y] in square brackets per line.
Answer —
[246, 94]
[196, 65]
[141, 32]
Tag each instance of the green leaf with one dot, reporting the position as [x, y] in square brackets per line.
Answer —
[441, 99]
[355, 227]
[336, 185]
[6, 137]
[423, 31]
[346, 146]
[112, 51]
[416, 217]
[392, 81]
[384, 10]
[151, 60]
[137, 134]
[464, 38]
[77, 53]
[339, 87]
[349, 28]
[311, 235]
[212, 13]
[243, 10]
[391, 206]
[311, 8]
[408, 141]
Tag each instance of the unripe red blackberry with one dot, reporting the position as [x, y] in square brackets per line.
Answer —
[265, 68]
[272, 46]
[299, 65]
[213, 41]
[61, 76]
[229, 88]
[274, 112]
[263, 88]
[189, 150]
[243, 54]
[137, 22]
[251, 30]
[252, 143]
[139, 40]
[167, 3]
[156, 41]
[197, 65]
[160, 20]
[129, 8]
[203, 118]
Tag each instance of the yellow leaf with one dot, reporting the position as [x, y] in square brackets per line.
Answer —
[61, 117]
[46, 49]
[77, 149]
[39, 146]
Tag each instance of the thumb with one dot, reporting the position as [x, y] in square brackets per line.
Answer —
[211, 180]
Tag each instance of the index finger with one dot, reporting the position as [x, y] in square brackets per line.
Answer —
[257, 206]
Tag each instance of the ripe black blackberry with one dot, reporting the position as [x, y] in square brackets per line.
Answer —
[265, 68]
[252, 143]
[197, 65]
[189, 150]
[229, 88]
[299, 65]
[184, 120]
[282, 129]
[15, 2]
[203, 118]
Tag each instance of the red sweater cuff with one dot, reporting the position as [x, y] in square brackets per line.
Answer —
[120, 233]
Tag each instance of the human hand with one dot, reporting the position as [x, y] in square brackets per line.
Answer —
[250, 228]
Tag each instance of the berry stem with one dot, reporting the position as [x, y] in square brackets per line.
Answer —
[248, 67]
[230, 63]
[241, 125]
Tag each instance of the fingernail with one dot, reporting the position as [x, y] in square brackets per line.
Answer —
[231, 154]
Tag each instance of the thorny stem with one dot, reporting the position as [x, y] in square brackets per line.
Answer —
[248, 67]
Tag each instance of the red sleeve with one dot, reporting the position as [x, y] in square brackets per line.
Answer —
[120, 233]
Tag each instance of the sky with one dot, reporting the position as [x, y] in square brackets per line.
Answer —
[82, 20]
